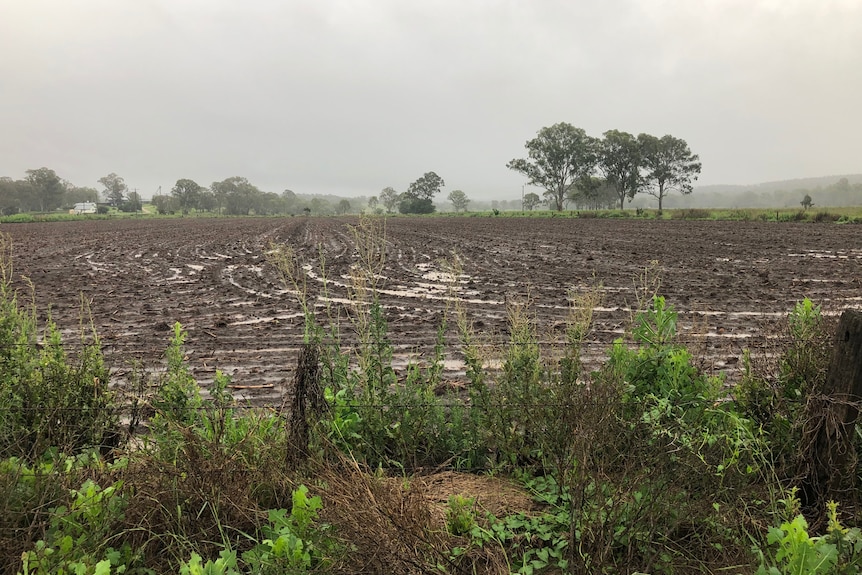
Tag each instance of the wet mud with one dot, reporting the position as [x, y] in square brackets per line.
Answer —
[732, 282]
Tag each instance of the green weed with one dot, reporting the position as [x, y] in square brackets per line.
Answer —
[48, 400]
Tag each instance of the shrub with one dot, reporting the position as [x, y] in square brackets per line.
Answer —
[694, 456]
[794, 550]
[691, 214]
[588, 214]
[377, 419]
[741, 215]
[80, 535]
[48, 400]
[775, 396]
[824, 216]
[797, 216]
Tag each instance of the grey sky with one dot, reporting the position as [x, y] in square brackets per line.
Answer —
[350, 96]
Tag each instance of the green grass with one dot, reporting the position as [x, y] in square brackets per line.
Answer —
[814, 214]
[840, 215]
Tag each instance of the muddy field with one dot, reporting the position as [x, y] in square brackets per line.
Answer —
[733, 282]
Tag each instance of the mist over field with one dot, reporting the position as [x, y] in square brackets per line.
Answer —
[339, 98]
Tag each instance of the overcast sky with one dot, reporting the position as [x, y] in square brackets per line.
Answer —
[351, 96]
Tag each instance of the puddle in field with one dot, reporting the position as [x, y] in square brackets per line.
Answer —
[444, 286]
[737, 313]
[268, 319]
[215, 256]
[421, 290]
[409, 292]
[446, 278]
[95, 266]
[828, 254]
[258, 271]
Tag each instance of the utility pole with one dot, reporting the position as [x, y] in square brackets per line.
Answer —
[523, 186]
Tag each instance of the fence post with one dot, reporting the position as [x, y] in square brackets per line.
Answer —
[829, 433]
[307, 394]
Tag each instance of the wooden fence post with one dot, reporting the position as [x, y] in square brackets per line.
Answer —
[830, 431]
[307, 395]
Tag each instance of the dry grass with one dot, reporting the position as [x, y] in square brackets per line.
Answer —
[387, 524]
[494, 495]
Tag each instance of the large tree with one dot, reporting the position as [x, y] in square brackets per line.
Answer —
[320, 206]
[592, 193]
[187, 193]
[115, 189]
[75, 195]
[290, 201]
[13, 195]
[342, 207]
[620, 162]
[236, 195]
[668, 165]
[558, 156]
[418, 197]
[207, 200]
[372, 204]
[390, 198]
[459, 200]
[133, 202]
[269, 203]
[47, 187]
[531, 201]
[164, 204]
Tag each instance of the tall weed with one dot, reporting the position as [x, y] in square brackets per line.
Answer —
[48, 399]
[775, 394]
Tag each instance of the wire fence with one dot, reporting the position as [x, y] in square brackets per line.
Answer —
[107, 346]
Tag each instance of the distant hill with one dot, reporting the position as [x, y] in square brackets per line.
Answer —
[786, 185]
[825, 191]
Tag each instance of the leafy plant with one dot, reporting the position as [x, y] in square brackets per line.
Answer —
[226, 564]
[775, 394]
[533, 542]
[178, 397]
[794, 551]
[48, 400]
[460, 516]
[78, 539]
[292, 543]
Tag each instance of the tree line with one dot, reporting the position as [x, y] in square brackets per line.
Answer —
[42, 190]
[569, 165]
[574, 167]
[418, 199]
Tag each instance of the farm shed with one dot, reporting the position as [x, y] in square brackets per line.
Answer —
[84, 208]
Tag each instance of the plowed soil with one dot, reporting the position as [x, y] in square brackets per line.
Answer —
[732, 282]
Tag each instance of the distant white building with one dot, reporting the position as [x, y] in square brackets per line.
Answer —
[84, 208]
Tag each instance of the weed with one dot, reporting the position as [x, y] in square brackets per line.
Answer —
[460, 515]
[691, 214]
[48, 400]
[78, 539]
[823, 216]
[776, 396]
[178, 397]
[794, 550]
[289, 544]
